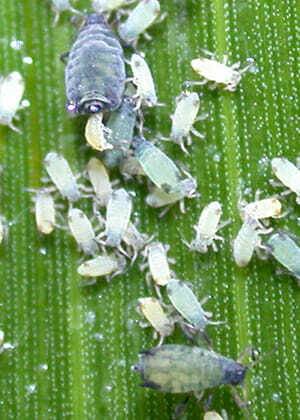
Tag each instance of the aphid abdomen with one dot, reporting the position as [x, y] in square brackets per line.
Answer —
[179, 369]
[95, 73]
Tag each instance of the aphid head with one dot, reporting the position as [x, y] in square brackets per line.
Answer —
[188, 187]
[235, 373]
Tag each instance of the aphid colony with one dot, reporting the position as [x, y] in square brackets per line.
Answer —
[95, 79]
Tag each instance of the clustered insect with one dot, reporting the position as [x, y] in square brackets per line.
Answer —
[95, 78]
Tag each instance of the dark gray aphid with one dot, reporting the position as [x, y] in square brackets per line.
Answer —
[95, 71]
[121, 123]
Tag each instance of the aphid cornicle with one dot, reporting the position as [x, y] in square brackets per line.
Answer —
[44, 212]
[95, 71]
[187, 107]
[288, 174]
[207, 228]
[61, 175]
[286, 251]
[82, 231]
[139, 20]
[181, 369]
[11, 92]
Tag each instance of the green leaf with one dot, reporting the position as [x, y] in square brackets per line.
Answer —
[74, 347]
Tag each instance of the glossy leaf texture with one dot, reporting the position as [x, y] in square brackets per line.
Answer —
[74, 346]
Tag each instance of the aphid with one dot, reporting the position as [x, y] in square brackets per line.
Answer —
[99, 179]
[44, 212]
[219, 73]
[3, 228]
[139, 20]
[182, 369]
[134, 240]
[207, 227]
[59, 6]
[187, 107]
[143, 80]
[95, 71]
[188, 306]
[96, 133]
[108, 6]
[61, 175]
[213, 415]
[261, 209]
[103, 265]
[286, 251]
[159, 269]
[158, 198]
[156, 316]
[247, 241]
[118, 214]
[159, 168]
[121, 124]
[82, 231]
[11, 92]
[288, 174]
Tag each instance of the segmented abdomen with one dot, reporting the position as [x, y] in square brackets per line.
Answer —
[95, 68]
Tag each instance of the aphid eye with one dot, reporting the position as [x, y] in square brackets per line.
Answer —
[95, 108]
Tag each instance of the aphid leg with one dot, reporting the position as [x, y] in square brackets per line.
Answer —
[243, 405]
[180, 409]
[64, 57]
[14, 128]
[157, 290]
[190, 83]
[197, 133]
[202, 116]
[164, 212]
[161, 340]
[182, 205]
[147, 36]
[182, 145]
[188, 244]
[56, 17]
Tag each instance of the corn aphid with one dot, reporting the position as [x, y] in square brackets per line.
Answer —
[183, 369]
[135, 241]
[59, 6]
[109, 6]
[102, 265]
[99, 179]
[159, 269]
[207, 227]
[219, 73]
[213, 415]
[157, 198]
[187, 305]
[247, 241]
[11, 92]
[156, 316]
[139, 20]
[44, 212]
[183, 119]
[142, 78]
[286, 251]
[260, 209]
[96, 133]
[82, 231]
[118, 214]
[288, 174]
[3, 228]
[61, 175]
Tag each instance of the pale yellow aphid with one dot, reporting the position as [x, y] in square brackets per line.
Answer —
[288, 174]
[11, 92]
[183, 119]
[219, 73]
[247, 241]
[61, 175]
[96, 133]
[99, 179]
[207, 228]
[103, 265]
[159, 269]
[44, 212]
[156, 316]
[118, 214]
[143, 80]
[108, 6]
[82, 231]
[212, 415]
[262, 209]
